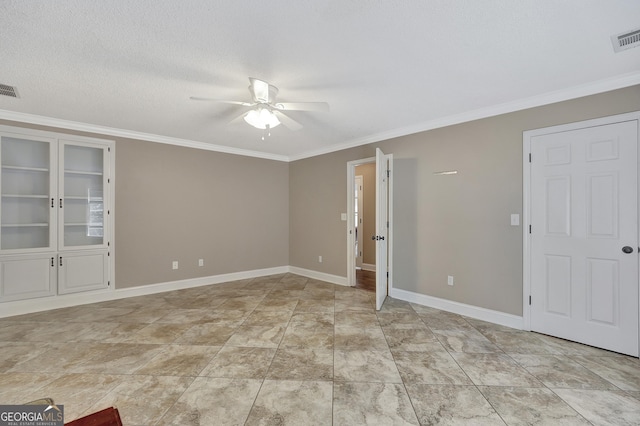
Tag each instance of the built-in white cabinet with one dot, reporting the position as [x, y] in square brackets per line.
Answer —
[55, 218]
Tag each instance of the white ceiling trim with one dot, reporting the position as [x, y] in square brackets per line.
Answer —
[617, 82]
[130, 134]
[594, 88]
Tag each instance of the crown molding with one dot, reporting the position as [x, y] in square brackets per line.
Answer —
[130, 134]
[618, 82]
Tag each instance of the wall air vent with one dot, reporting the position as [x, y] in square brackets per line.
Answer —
[6, 90]
[625, 41]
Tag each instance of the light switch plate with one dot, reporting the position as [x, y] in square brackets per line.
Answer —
[515, 219]
[343, 217]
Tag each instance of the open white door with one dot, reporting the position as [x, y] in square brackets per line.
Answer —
[382, 222]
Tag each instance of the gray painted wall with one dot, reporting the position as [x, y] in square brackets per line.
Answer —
[443, 225]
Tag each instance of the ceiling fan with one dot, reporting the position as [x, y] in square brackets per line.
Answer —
[265, 112]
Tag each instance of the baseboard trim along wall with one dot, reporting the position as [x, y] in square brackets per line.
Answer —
[495, 317]
[369, 267]
[20, 307]
[333, 279]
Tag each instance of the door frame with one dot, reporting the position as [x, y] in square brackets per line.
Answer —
[351, 181]
[527, 137]
[359, 236]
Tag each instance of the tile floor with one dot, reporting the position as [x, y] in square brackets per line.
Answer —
[287, 350]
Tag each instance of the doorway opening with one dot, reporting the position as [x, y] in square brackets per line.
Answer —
[372, 235]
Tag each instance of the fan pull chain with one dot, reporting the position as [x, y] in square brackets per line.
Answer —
[267, 132]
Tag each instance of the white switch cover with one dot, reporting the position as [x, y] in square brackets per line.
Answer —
[449, 280]
[200, 262]
[515, 219]
[174, 265]
[343, 217]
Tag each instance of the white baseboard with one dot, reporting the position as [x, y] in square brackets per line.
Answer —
[369, 267]
[496, 317]
[8, 309]
[334, 279]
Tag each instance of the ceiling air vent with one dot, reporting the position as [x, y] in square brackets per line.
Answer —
[6, 90]
[626, 40]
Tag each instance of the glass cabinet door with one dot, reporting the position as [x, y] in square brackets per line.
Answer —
[27, 205]
[83, 195]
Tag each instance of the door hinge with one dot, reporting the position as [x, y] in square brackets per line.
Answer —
[388, 173]
[108, 283]
[52, 262]
[108, 253]
[529, 228]
[387, 224]
[387, 274]
[108, 149]
[108, 243]
[529, 299]
[108, 180]
[529, 157]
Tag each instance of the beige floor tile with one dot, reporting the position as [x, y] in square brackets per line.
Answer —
[400, 320]
[561, 372]
[372, 404]
[70, 390]
[302, 364]
[470, 341]
[531, 406]
[213, 401]
[365, 366]
[268, 317]
[257, 336]
[308, 337]
[143, 400]
[287, 349]
[356, 319]
[19, 388]
[603, 407]
[432, 367]
[240, 363]
[360, 338]
[624, 372]
[208, 334]
[409, 339]
[452, 405]
[495, 370]
[179, 360]
[294, 403]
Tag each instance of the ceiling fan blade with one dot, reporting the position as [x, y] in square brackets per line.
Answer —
[303, 106]
[288, 122]
[221, 101]
[262, 91]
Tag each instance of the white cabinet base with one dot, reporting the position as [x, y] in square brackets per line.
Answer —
[82, 272]
[26, 277]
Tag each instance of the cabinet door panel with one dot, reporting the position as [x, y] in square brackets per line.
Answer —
[83, 183]
[27, 278]
[28, 188]
[82, 271]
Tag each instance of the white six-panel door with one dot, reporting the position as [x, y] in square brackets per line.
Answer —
[584, 211]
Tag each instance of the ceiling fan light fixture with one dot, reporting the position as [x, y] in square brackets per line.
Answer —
[261, 118]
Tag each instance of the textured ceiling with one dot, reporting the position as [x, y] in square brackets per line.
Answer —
[387, 68]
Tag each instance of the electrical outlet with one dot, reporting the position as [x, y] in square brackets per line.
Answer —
[174, 264]
[200, 262]
[319, 259]
[450, 280]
